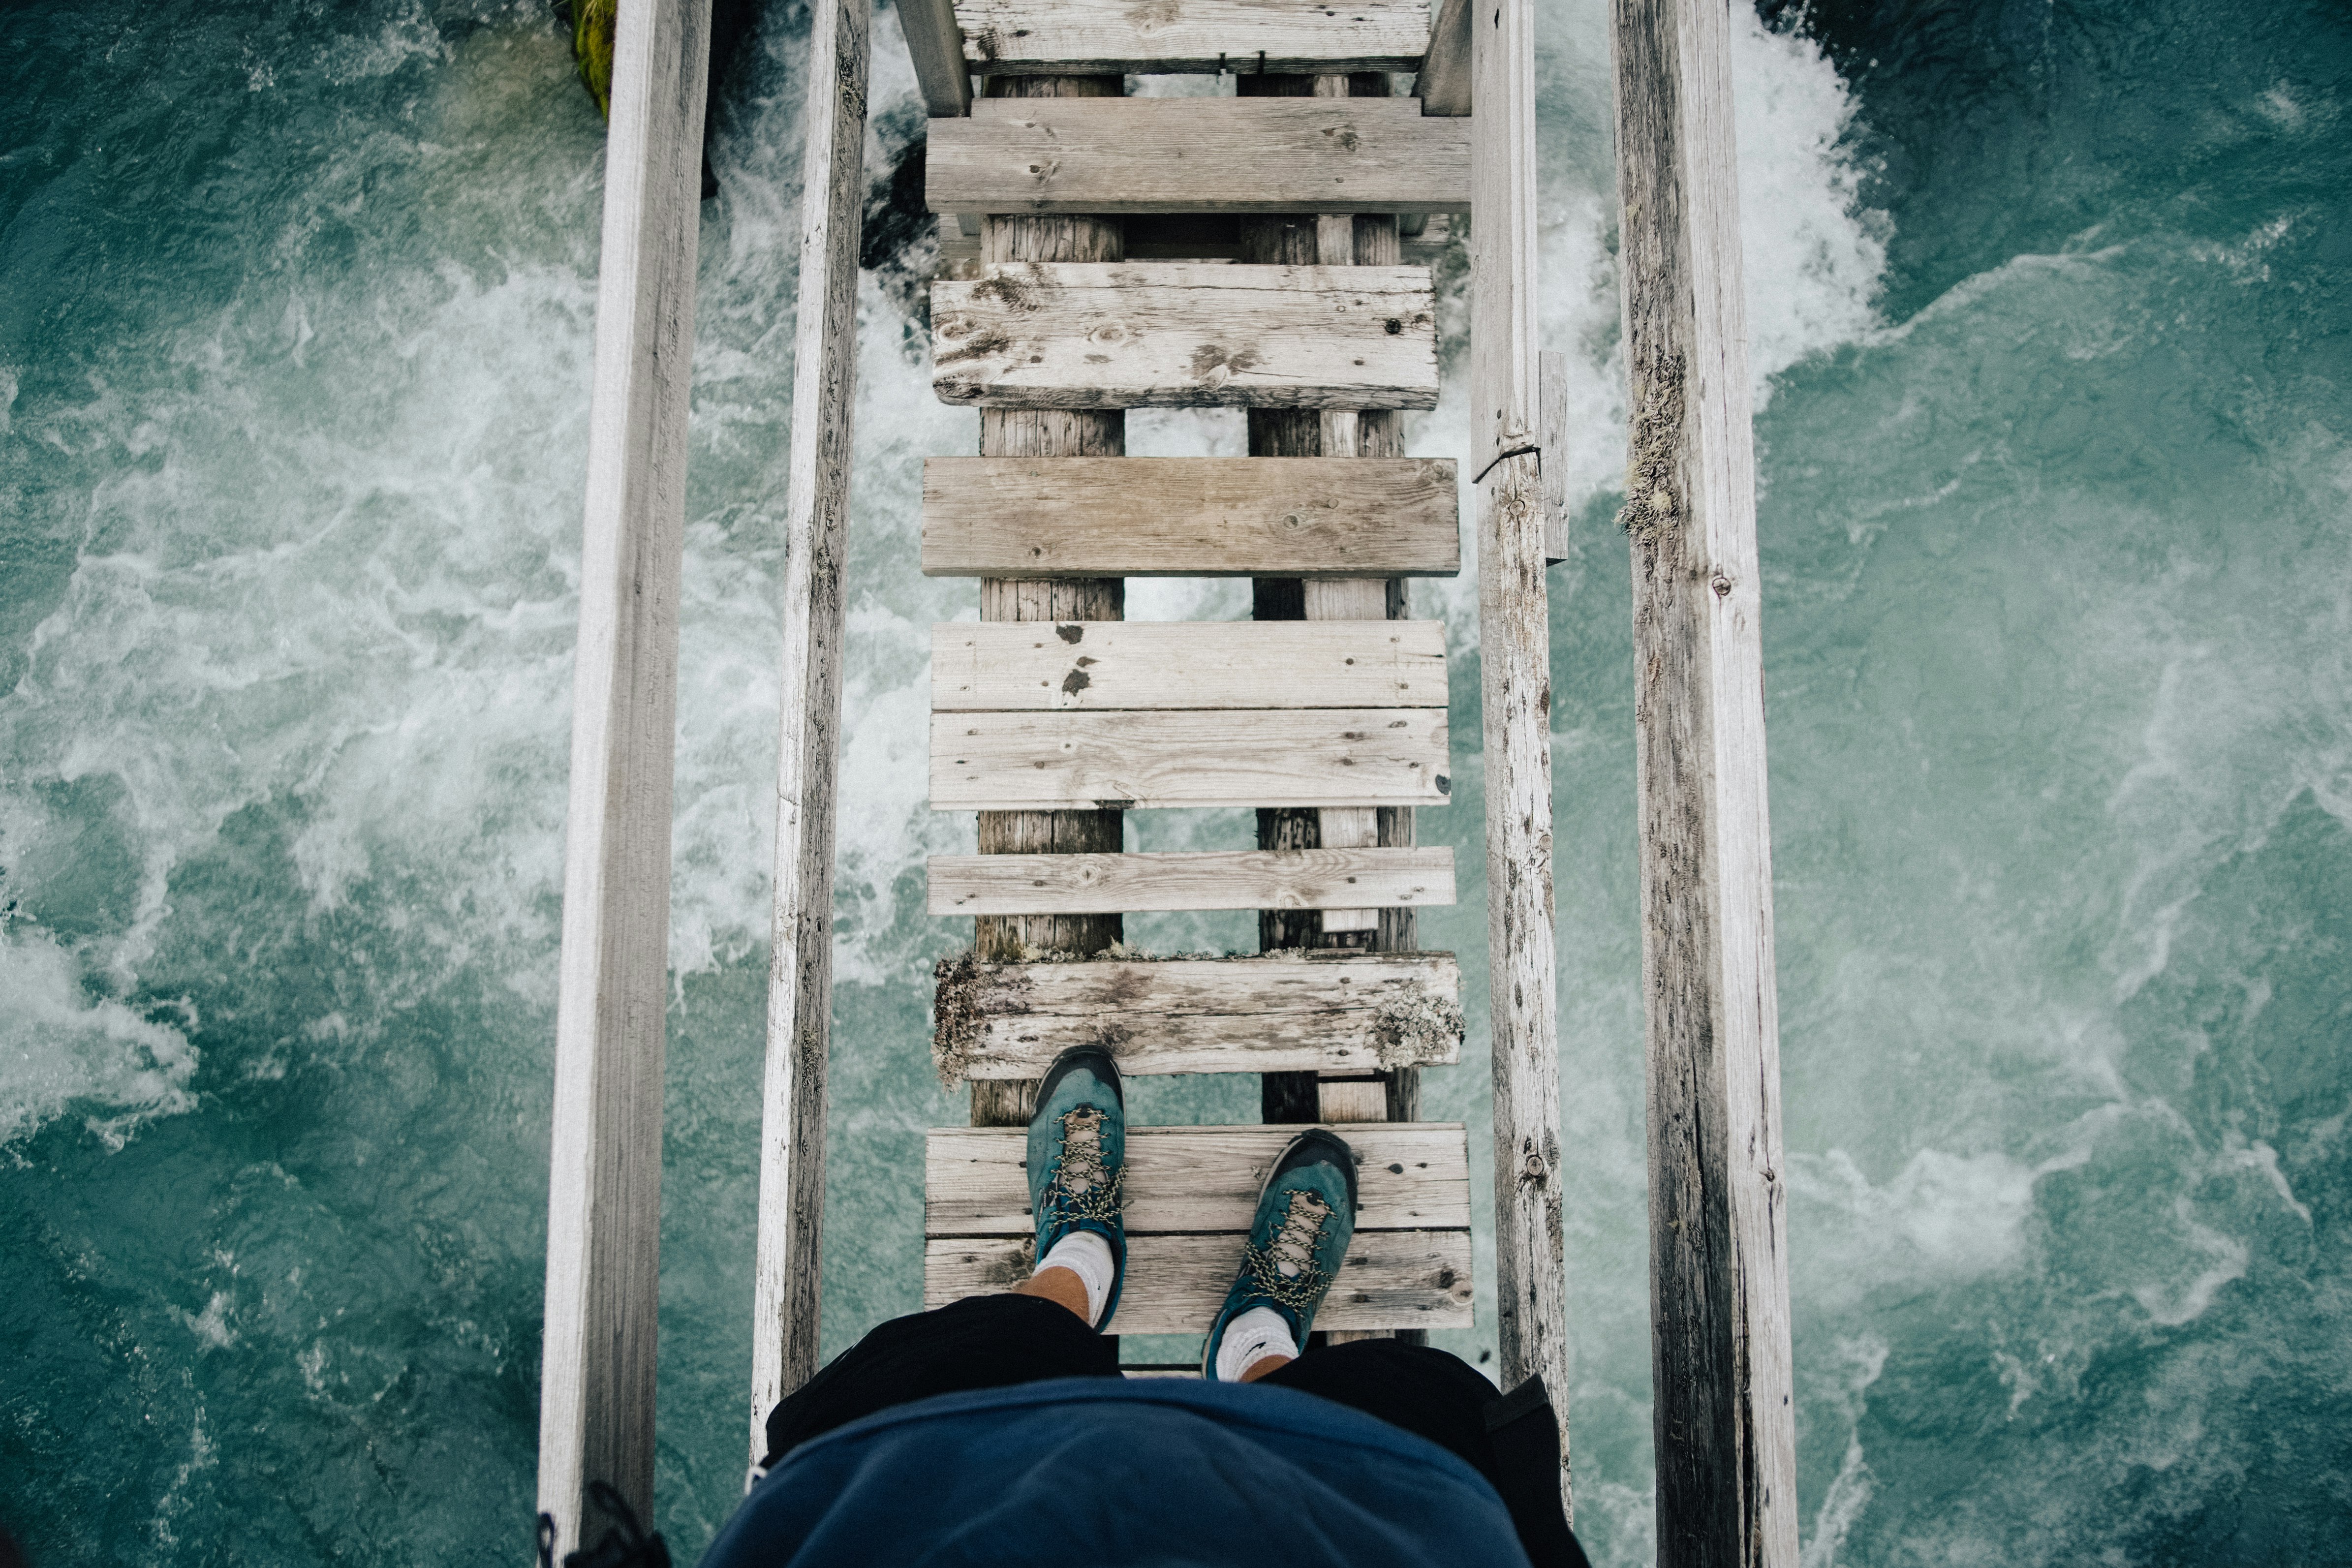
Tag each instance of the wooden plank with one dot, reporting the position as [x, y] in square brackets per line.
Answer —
[1334, 155]
[1118, 760]
[1444, 84]
[935, 44]
[1216, 879]
[786, 1268]
[1391, 1279]
[1019, 38]
[1423, 239]
[1176, 335]
[1291, 1013]
[1207, 517]
[1514, 661]
[1088, 666]
[1718, 1220]
[1047, 434]
[603, 1201]
[1553, 379]
[1408, 1177]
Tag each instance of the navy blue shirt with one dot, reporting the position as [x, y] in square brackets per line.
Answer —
[1098, 1471]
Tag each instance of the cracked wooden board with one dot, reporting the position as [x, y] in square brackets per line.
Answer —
[1076, 335]
[1122, 155]
[1208, 879]
[1408, 1176]
[1289, 1013]
[1191, 516]
[1087, 666]
[1123, 760]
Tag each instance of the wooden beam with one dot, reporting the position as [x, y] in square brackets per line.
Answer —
[1443, 85]
[1118, 760]
[1075, 666]
[1287, 1012]
[1408, 1177]
[1553, 378]
[787, 1267]
[1053, 433]
[1170, 335]
[604, 1220]
[1390, 1280]
[1206, 516]
[1718, 1217]
[935, 44]
[1017, 38]
[1198, 155]
[1213, 879]
[1515, 660]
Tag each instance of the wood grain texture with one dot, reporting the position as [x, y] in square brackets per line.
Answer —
[1054, 36]
[1198, 155]
[1390, 1280]
[1122, 760]
[1295, 1012]
[1443, 85]
[604, 1222]
[1719, 1221]
[1212, 879]
[1552, 374]
[1060, 434]
[935, 44]
[1175, 335]
[976, 1181]
[1078, 666]
[786, 1268]
[1191, 516]
[1515, 647]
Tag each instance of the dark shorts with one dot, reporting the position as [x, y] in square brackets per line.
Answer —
[994, 1342]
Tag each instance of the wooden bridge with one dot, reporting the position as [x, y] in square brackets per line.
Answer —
[1264, 251]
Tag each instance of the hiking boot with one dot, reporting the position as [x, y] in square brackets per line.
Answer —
[1077, 1157]
[1305, 1218]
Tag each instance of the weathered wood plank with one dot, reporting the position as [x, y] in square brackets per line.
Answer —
[1553, 376]
[1117, 761]
[1019, 37]
[603, 1203]
[1443, 85]
[1175, 335]
[1122, 155]
[936, 45]
[1391, 1280]
[1214, 879]
[1514, 656]
[1087, 666]
[1292, 1012]
[1719, 1220]
[1408, 1177]
[1198, 516]
[786, 1270]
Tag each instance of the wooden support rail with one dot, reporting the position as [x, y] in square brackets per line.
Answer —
[1514, 657]
[788, 1264]
[1725, 1439]
[604, 1200]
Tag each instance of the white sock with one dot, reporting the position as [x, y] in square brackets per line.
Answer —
[1087, 1256]
[1250, 1339]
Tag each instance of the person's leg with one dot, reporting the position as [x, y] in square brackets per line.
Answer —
[1046, 1325]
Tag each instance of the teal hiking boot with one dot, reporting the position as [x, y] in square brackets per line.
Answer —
[1305, 1218]
[1078, 1158]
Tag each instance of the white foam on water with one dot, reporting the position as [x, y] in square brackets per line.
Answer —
[60, 1046]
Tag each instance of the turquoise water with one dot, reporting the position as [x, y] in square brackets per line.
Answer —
[2050, 319]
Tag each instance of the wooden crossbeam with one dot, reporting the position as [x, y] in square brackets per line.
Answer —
[1243, 756]
[1191, 516]
[1091, 666]
[1288, 1012]
[1408, 1176]
[1218, 879]
[1391, 1279]
[1056, 37]
[1198, 155]
[1173, 335]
